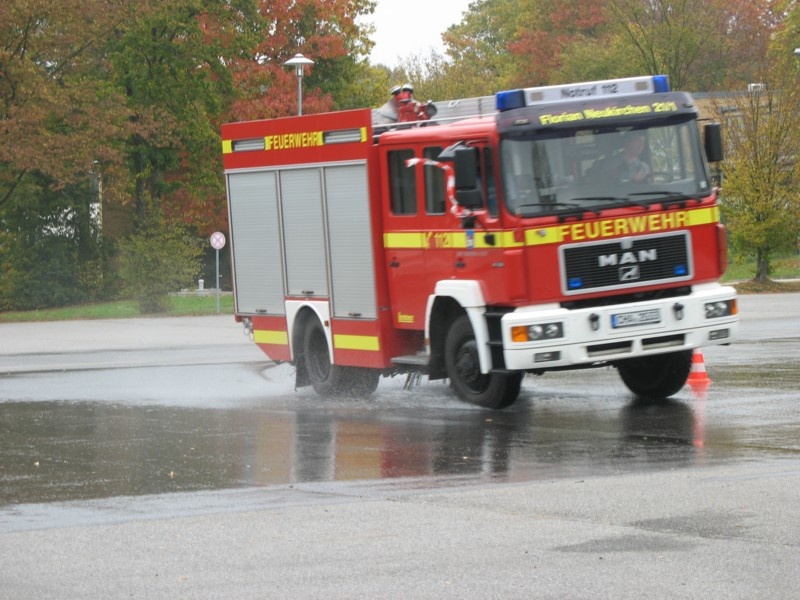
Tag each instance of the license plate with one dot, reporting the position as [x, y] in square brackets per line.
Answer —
[631, 319]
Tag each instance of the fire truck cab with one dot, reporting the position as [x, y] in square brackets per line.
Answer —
[546, 228]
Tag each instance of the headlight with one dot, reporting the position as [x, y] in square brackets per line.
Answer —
[721, 308]
[536, 333]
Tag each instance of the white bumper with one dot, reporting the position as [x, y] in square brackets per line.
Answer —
[589, 335]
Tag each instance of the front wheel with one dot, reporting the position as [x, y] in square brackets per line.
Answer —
[493, 390]
[656, 377]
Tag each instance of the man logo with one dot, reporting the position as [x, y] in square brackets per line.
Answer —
[629, 273]
[627, 258]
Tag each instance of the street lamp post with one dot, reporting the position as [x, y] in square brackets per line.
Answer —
[299, 62]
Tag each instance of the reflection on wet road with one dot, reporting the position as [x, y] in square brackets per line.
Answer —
[135, 407]
[565, 425]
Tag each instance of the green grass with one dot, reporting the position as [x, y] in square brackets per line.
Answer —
[741, 273]
[122, 309]
[786, 267]
[771, 287]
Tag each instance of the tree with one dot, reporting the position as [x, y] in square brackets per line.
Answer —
[160, 258]
[701, 44]
[132, 95]
[168, 59]
[364, 85]
[58, 124]
[761, 200]
[327, 32]
[592, 60]
[57, 119]
[432, 78]
[478, 48]
[50, 248]
[545, 29]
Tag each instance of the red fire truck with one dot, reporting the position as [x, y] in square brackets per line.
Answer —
[542, 229]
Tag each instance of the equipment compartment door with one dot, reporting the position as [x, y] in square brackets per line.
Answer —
[255, 243]
[304, 232]
[350, 239]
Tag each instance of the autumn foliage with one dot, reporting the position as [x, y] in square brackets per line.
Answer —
[114, 108]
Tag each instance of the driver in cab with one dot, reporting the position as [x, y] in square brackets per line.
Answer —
[631, 167]
[626, 164]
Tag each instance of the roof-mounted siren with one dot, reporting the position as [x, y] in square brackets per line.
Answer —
[649, 84]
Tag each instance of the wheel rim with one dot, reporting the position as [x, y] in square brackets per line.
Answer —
[468, 367]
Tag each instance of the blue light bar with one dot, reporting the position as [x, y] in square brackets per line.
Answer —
[608, 88]
[510, 99]
[661, 83]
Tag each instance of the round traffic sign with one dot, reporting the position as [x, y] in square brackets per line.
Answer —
[218, 240]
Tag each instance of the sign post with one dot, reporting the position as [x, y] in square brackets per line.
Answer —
[218, 243]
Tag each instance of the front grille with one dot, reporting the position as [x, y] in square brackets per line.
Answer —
[625, 263]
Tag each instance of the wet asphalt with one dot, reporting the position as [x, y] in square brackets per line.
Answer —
[167, 457]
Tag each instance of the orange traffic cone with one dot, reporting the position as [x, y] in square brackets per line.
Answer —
[698, 380]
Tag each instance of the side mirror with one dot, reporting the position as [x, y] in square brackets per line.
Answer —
[713, 142]
[471, 198]
[466, 167]
[468, 194]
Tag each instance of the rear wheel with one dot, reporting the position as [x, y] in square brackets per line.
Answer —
[492, 390]
[358, 382]
[656, 377]
[328, 379]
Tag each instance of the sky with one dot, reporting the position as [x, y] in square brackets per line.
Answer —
[411, 27]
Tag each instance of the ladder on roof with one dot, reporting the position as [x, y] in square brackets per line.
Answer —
[447, 111]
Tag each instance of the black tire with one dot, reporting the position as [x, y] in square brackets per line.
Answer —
[358, 382]
[495, 390]
[656, 377]
[333, 380]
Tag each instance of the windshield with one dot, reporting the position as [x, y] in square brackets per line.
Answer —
[591, 169]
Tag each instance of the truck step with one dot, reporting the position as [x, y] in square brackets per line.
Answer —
[503, 371]
[419, 360]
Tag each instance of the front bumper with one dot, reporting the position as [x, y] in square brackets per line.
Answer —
[610, 333]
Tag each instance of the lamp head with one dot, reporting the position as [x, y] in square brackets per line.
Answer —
[298, 62]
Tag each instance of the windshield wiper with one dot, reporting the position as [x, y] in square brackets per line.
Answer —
[672, 195]
[615, 200]
[666, 197]
[568, 207]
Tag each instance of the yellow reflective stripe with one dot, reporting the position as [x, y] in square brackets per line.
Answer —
[356, 342]
[571, 231]
[506, 240]
[448, 239]
[227, 146]
[404, 240]
[545, 235]
[266, 336]
[440, 239]
[704, 216]
[363, 134]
